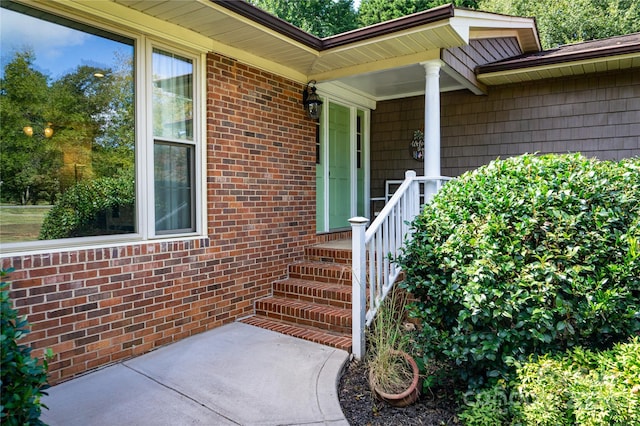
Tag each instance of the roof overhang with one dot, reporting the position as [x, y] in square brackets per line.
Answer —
[369, 61]
[612, 54]
[378, 62]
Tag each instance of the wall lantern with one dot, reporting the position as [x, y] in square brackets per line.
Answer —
[311, 101]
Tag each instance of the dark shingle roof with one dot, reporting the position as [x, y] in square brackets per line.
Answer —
[614, 46]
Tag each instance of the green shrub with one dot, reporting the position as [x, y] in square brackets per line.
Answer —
[582, 387]
[528, 255]
[23, 378]
[78, 211]
[491, 406]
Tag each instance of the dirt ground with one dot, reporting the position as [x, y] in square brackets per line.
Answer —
[361, 408]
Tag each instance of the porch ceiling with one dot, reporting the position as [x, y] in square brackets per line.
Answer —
[379, 62]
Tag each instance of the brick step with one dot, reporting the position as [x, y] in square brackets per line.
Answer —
[323, 317]
[323, 272]
[321, 253]
[336, 340]
[336, 295]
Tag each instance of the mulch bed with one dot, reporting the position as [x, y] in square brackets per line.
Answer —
[361, 408]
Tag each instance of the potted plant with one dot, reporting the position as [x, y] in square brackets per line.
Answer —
[393, 374]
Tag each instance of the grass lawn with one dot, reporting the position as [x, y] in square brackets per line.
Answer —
[21, 223]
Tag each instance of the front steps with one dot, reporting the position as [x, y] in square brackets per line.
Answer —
[314, 302]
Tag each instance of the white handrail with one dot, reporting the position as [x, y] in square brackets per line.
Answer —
[374, 248]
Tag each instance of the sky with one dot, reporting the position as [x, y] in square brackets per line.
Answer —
[58, 49]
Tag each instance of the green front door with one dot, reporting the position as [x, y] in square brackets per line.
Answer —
[339, 166]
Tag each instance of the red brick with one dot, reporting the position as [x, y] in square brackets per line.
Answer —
[176, 287]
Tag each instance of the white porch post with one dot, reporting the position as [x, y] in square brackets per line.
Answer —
[431, 126]
[358, 284]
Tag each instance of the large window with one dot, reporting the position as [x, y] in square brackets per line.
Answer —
[75, 145]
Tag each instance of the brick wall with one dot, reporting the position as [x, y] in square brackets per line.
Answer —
[598, 115]
[97, 306]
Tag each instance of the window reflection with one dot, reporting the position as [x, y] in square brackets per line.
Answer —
[67, 154]
[173, 160]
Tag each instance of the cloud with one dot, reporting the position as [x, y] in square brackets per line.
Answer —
[57, 48]
[19, 31]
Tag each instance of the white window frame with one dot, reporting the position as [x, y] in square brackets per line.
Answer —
[150, 139]
[144, 144]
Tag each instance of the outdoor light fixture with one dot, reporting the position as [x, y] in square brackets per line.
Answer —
[311, 101]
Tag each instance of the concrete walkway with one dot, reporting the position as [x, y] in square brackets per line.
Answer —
[234, 375]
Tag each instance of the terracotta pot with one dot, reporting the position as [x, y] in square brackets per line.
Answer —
[411, 394]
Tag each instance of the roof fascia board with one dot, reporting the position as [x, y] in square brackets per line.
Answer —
[256, 17]
[391, 28]
[484, 33]
[487, 77]
[442, 24]
[484, 23]
[342, 92]
[377, 65]
[367, 34]
[482, 19]
[594, 56]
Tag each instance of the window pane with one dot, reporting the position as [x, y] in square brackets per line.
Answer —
[67, 143]
[172, 96]
[173, 187]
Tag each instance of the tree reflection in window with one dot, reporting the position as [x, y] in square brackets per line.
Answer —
[67, 156]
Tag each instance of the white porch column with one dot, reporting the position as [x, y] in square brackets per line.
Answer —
[432, 125]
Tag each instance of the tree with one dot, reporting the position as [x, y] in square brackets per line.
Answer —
[322, 18]
[27, 163]
[92, 120]
[569, 21]
[375, 11]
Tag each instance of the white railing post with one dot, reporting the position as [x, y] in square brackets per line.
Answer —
[413, 201]
[359, 284]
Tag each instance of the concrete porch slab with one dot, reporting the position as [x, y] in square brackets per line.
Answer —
[235, 374]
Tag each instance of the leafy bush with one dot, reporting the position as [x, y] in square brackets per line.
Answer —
[23, 378]
[491, 406]
[583, 388]
[528, 255]
[77, 212]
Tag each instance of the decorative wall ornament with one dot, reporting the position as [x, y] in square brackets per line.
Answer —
[416, 147]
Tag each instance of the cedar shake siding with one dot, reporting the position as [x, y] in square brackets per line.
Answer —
[597, 115]
[465, 59]
[96, 306]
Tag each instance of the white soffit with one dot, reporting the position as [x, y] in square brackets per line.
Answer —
[382, 66]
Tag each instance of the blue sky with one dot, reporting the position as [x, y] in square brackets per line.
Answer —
[58, 49]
